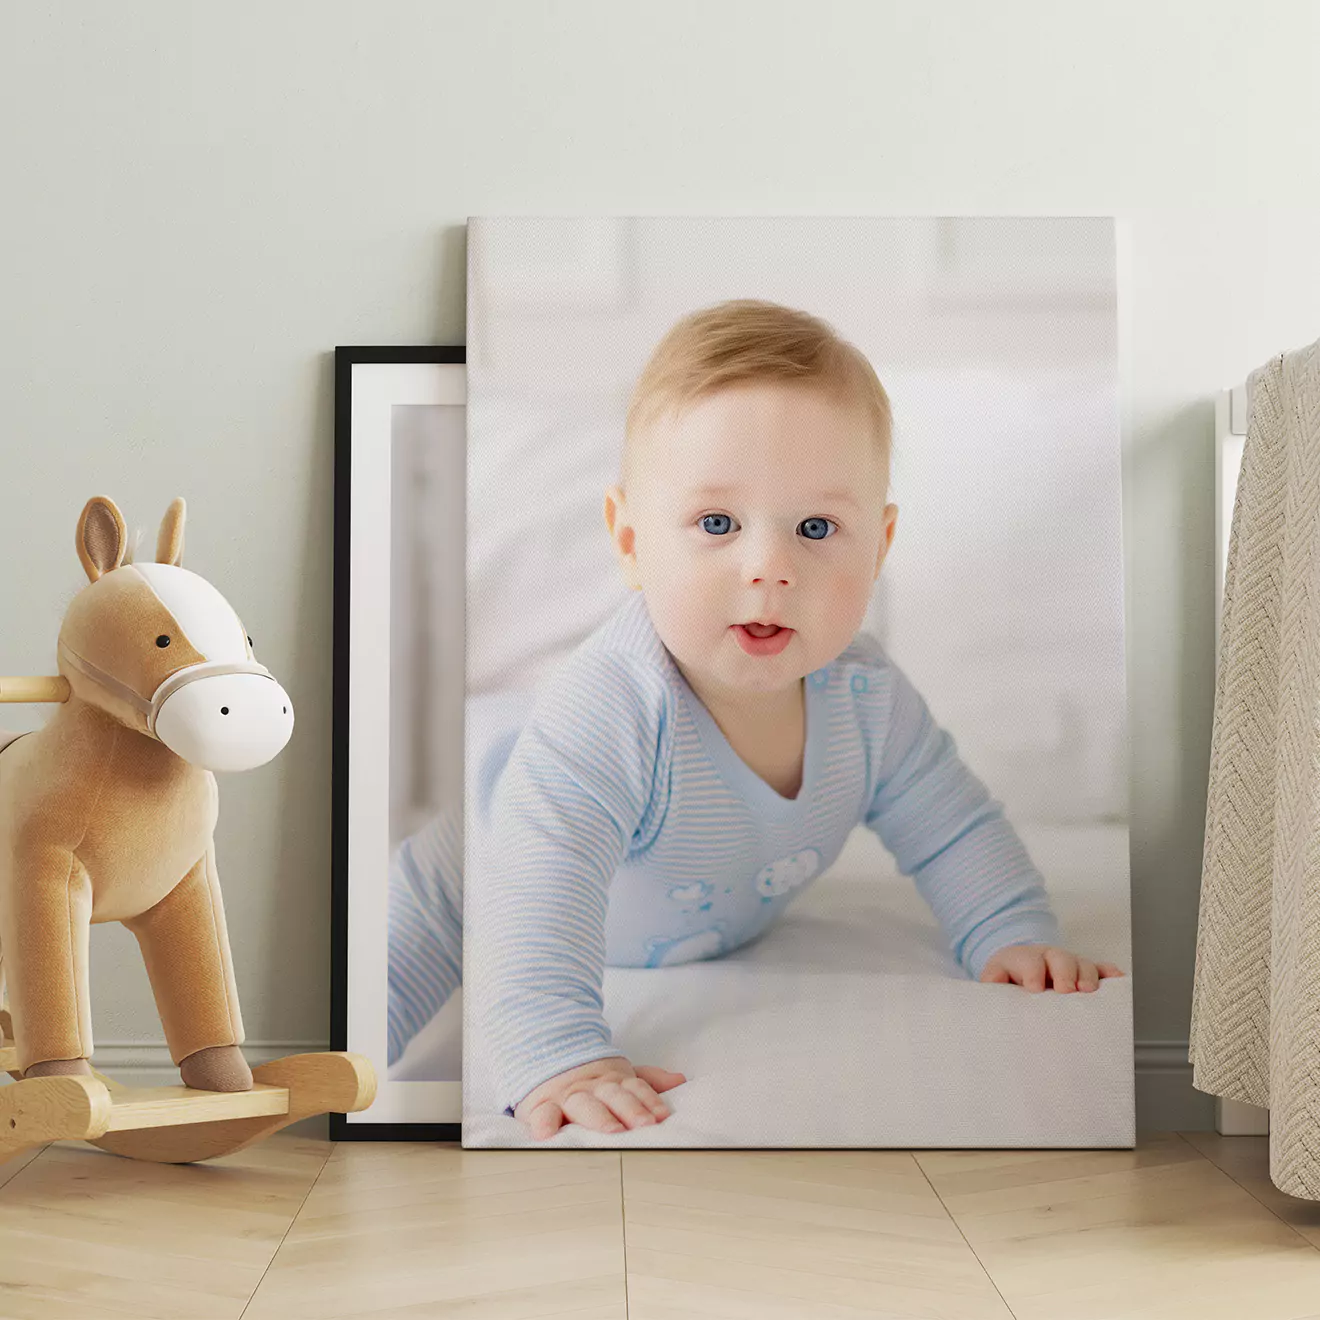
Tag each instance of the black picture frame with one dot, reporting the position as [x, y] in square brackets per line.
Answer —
[346, 359]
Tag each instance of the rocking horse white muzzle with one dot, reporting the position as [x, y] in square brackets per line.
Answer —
[227, 713]
[220, 715]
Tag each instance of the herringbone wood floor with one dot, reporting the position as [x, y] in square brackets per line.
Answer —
[1186, 1227]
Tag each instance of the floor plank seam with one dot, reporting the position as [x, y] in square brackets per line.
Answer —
[953, 1219]
[293, 1219]
[623, 1235]
[1315, 1246]
[18, 1173]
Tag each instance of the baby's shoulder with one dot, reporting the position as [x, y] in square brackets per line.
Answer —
[865, 680]
[863, 662]
[616, 670]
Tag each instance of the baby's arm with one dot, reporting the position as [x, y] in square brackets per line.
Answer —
[425, 926]
[951, 837]
[575, 792]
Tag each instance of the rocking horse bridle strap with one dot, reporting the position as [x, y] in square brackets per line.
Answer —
[180, 678]
[207, 669]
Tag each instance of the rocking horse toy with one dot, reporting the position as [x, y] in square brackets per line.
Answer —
[108, 813]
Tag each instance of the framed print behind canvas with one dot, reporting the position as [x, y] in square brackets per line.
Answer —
[398, 721]
[795, 782]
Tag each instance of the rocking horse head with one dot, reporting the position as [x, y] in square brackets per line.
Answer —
[161, 651]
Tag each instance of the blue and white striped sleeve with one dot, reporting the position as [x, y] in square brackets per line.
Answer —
[425, 926]
[576, 790]
[947, 834]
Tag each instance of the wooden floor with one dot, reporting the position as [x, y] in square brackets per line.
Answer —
[1186, 1226]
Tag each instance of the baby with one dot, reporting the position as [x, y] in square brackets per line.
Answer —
[705, 753]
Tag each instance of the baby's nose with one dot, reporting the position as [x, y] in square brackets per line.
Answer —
[771, 565]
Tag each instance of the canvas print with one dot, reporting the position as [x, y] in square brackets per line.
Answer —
[795, 806]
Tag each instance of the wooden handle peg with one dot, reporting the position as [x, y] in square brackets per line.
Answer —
[34, 689]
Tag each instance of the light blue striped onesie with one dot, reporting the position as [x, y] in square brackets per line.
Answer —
[615, 825]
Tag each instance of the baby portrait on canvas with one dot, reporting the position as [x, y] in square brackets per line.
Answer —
[667, 794]
[704, 755]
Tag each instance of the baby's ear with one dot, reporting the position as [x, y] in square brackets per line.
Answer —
[614, 503]
[886, 536]
[622, 535]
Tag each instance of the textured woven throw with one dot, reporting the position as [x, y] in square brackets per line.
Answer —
[1255, 1032]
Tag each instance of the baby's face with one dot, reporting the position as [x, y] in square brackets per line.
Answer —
[761, 504]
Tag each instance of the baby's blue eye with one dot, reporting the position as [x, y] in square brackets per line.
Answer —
[816, 529]
[717, 524]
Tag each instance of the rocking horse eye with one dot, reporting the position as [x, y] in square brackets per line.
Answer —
[249, 641]
[162, 640]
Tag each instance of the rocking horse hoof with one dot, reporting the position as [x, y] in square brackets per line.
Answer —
[59, 1068]
[216, 1068]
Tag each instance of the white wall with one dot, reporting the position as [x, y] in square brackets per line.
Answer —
[201, 200]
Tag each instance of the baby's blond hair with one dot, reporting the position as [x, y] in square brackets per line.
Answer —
[746, 339]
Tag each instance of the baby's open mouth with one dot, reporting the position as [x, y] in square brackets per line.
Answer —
[762, 639]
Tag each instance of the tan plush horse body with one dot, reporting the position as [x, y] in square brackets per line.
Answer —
[108, 812]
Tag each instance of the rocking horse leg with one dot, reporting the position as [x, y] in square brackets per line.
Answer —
[45, 919]
[185, 946]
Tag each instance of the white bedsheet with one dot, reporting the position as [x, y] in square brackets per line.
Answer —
[849, 1024]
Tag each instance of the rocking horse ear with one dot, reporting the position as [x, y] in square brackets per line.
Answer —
[102, 537]
[169, 544]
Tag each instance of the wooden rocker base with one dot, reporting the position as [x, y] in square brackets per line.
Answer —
[176, 1124]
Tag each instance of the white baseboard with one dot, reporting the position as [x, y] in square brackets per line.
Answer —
[1233, 1118]
[114, 1057]
[1166, 1096]
[1166, 1064]
[1162, 1056]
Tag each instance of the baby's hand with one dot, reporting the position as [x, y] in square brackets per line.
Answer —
[1028, 965]
[607, 1095]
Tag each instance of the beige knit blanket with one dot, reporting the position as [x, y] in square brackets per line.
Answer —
[1255, 1033]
